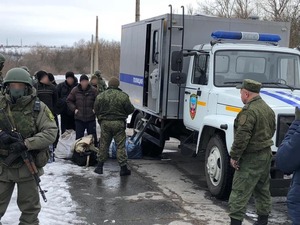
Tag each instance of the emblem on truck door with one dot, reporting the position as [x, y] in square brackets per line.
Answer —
[193, 105]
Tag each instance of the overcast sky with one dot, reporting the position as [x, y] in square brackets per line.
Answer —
[63, 22]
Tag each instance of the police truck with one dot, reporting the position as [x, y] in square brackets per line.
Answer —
[181, 72]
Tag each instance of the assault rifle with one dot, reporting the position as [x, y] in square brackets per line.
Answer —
[26, 156]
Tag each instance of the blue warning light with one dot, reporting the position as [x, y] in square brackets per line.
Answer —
[248, 36]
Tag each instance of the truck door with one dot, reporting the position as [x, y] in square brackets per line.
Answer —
[196, 92]
[154, 69]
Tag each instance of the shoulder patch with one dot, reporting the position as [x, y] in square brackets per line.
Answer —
[242, 119]
[49, 114]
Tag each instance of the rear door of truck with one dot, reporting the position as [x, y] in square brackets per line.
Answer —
[153, 62]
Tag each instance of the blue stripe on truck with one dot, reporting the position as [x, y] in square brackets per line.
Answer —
[132, 79]
[281, 98]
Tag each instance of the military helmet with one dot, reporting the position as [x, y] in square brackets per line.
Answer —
[98, 72]
[25, 68]
[17, 75]
[2, 58]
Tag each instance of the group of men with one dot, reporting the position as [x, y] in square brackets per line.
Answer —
[28, 124]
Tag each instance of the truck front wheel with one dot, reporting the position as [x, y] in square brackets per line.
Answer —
[217, 168]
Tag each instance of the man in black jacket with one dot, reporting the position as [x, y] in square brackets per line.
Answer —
[46, 92]
[63, 90]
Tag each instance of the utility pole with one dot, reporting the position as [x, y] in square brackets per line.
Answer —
[92, 56]
[137, 10]
[96, 55]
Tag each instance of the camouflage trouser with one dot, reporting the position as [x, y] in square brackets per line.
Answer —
[113, 130]
[28, 199]
[252, 178]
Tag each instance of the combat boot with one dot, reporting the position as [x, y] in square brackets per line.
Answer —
[262, 220]
[99, 168]
[235, 222]
[125, 171]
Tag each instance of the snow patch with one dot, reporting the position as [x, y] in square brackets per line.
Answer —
[61, 208]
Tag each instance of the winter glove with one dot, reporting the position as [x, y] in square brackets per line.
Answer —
[18, 146]
[7, 138]
[297, 113]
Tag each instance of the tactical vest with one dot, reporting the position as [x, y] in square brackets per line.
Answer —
[22, 117]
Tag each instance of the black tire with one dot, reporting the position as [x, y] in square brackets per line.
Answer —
[218, 171]
[150, 149]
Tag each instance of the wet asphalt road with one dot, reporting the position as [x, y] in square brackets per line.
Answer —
[171, 191]
[111, 199]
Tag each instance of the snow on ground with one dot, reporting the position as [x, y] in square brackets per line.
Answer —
[60, 208]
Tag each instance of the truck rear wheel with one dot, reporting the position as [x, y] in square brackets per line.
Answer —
[217, 168]
[150, 149]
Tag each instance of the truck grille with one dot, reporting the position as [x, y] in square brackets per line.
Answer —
[283, 124]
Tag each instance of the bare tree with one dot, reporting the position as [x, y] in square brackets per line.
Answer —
[275, 9]
[190, 9]
[75, 58]
[228, 8]
[286, 11]
[243, 9]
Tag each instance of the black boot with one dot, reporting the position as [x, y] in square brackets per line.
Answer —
[235, 222]
[99, 168]
[125, 171]
[262, 220]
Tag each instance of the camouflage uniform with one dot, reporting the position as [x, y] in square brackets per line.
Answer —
[254, 128]
[39, 130]
[2, 61]
[101, 85]
[112, 108]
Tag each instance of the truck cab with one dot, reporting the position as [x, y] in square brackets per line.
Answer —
[212, 102]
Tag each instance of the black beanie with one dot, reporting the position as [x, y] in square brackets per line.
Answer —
[83, 77]
[70, 74]
[40, 74]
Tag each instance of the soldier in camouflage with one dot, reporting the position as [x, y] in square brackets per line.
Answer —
[35, 122]
[101, 85]
[251, 155]
[112, 108]
[2, 61]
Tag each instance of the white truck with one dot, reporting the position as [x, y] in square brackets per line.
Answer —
[181, 75]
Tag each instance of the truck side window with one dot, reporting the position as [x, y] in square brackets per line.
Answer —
[155, 47]
[200, 73]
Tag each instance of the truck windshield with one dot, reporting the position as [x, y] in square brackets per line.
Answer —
[273, 69]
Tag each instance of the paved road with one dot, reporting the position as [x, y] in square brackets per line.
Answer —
[168, 191]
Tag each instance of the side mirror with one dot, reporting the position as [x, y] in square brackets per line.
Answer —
[178, 78]
[177, 61]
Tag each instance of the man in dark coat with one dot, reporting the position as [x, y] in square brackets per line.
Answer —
[81, 102]
[63, 90]
[46, 91]
[288, 160]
